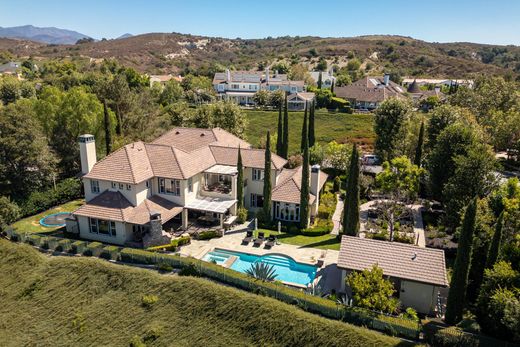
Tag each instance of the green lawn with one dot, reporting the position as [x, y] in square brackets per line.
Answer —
[32, 223]
[341, 127]
[322, 242]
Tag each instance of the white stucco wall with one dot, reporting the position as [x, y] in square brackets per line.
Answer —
[135, 195]
[123, 232]
[420, 296]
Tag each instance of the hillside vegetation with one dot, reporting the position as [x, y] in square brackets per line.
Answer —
[81, 301]
[173, 52]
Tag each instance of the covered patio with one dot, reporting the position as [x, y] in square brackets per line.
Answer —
[220, 179]
[209, 211]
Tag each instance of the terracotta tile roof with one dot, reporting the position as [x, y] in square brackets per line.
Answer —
[107, 205]
[129, 164]
[114, 206]
[289, 186]
[370, 89]
[250, 157]
[397, 260]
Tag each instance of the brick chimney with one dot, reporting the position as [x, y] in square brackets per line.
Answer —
[87, 152]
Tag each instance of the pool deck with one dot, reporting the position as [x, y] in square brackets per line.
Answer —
[328, 276]
[233, 242]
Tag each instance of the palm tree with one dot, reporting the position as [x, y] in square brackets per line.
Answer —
[262, 271]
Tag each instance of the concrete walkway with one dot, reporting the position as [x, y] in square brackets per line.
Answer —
[336, 217]
[418, 227]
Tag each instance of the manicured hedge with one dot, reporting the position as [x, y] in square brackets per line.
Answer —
[175, 243]
[66, 190]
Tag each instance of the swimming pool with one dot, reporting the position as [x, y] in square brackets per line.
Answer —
[285, 267]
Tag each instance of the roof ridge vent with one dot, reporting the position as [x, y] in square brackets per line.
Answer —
[202, 134]
[177, 132]
[414, 256]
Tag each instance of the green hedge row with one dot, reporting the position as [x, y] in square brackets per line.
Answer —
[391, 325]
[172, 246]
[66, 190]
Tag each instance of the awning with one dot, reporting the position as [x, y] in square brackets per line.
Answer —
[222, 170]
[240, 93]
[209, 204]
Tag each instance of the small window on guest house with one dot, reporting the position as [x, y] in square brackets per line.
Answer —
[114, 185]
[94, 186]
[121, 186]
[128, 187]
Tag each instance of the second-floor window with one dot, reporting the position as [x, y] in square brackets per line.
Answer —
[94, 186]
[171, 187]
[128, 187]
[235, 86]
[258, 174]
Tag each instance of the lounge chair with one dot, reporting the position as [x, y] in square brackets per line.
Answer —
[259, 240]
[248, 238]
[271, 241]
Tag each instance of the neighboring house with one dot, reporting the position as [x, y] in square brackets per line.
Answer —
[241, 86]
[187, 175]
[438, 82]
[299, 101]
[10, 68]
[369, 92]
[418, 273]
[327, 78]
[162, 79]
[419, 94]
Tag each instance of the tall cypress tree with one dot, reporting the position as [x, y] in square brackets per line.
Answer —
[312, 137]
[494, 247]
[351, 206]
[320, 80]
[108, 131]
[305, 128]
[267, 178]
[240, 181]
[418, 151]
[304, 191]
[285, 152]
[459, 278]
[279, 134]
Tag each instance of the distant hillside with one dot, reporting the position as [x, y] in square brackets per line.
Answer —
[174, 53]
[48, 35]
[124, 36]
[69, 301]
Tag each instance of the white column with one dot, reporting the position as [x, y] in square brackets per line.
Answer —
[221, 217]
[185, 219]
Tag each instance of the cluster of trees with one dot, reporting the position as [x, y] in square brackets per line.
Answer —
[42, 116]
[452, 149]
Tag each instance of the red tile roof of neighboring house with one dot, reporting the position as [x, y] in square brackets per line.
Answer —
[369, 89]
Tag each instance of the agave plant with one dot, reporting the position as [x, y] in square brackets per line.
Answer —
[262, 271]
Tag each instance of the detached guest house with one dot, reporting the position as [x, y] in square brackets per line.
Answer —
[142, 192]
[418, 273]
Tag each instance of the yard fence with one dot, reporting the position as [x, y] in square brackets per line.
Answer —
[391, 325]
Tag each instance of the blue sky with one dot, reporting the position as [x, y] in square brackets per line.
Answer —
[480, 21]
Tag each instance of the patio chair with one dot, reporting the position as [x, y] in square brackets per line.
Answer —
[259, 240]
[248, 238]
[271, 241]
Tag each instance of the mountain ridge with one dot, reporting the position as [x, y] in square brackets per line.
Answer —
[49, 35]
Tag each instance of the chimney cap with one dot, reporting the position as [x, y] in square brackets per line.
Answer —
[86, 138]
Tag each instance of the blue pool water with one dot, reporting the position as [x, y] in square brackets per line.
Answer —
[286, 268]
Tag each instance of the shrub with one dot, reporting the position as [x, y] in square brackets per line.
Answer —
[337, 184]
[78, 247]
[242, 215]
[148, 301]
[208, 234]
[93, 249]
[339, 104]
[164, 267]
[172, 246]
[9, 212]
[110, 253]
[38, 201]
[189, 270]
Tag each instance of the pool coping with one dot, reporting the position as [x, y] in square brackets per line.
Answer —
[290, 284]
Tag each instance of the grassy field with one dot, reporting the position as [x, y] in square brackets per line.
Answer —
[32, 223]
[322, 242]
[68, 301]
[341, 127]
